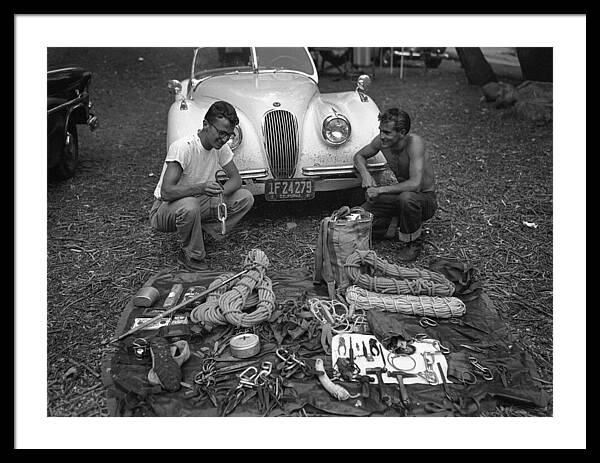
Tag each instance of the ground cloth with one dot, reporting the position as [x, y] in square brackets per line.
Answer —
[131, 394]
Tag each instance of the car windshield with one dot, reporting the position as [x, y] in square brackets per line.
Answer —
[221, 60]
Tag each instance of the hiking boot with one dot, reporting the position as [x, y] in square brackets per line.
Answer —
[191, 264]
[409, 251]
[165, 369]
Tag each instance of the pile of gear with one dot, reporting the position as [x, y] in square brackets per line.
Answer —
[228, 346]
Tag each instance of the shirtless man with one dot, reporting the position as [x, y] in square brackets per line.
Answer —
[412, 200]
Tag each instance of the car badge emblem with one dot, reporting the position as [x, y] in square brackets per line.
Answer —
[277, 104]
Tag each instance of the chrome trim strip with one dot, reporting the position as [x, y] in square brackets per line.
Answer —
[75, 101]
[347, 169]
[253, 173]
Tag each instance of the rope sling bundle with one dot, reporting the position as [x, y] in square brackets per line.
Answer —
[428, 306]
[225, 305]
[393, 279]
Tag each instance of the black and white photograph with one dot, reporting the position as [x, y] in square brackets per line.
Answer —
[298, 229]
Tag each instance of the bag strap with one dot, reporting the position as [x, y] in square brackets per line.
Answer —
[318, 271]
[341, 212]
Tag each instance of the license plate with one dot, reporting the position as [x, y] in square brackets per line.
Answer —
[289, 189]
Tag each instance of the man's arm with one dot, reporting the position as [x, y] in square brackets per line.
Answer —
[171, 190]
[360, 161]
[235, 180]
[416, 154]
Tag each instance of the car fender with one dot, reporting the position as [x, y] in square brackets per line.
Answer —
[315, 151]
[184, 122]
[57, 124]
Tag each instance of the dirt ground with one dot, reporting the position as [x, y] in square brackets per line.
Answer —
[494, 176]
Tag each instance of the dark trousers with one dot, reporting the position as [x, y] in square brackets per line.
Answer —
[410, 207]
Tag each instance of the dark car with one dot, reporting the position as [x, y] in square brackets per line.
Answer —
[69, 105]
[431, 56]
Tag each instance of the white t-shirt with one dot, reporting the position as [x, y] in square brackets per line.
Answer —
[199, 164]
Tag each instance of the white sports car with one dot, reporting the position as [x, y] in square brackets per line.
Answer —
[291, 140]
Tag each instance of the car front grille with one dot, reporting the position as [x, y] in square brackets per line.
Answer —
[280, 136]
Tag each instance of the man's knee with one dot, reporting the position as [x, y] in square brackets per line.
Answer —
[408, 199]
[187, 209]
[242, 200]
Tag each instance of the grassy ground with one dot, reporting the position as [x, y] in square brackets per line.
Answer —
[494, 175]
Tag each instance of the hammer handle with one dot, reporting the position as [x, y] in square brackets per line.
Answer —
[403, 393]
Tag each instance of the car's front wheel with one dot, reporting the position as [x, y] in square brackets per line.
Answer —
[432, 62]
[69, 157]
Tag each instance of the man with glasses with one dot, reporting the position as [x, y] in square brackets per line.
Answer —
[187, 195]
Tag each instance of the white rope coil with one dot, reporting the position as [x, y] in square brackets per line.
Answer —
[427, 306]
[232, 302]
[225, 304]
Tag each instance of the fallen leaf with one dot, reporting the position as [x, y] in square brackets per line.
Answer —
[71, 371]
[530, 224]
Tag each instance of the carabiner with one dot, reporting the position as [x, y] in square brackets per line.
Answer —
[481, 370]
[222, 211]
[266, 366]
[426, 322]
[467, 378]
[246, 376]
[217, 175]
[280, 352]
[437, 345]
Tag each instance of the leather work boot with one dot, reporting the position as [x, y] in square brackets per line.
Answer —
[165, 369]
[191, 264]
[409, 251]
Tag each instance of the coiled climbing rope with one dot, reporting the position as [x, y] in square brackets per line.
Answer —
[428, 306]
[394, 279]
[226, 304]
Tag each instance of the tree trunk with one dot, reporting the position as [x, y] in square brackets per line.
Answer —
[478, 70]
[536, 63]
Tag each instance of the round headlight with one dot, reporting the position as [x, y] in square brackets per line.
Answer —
[336, 129]
[237, 138]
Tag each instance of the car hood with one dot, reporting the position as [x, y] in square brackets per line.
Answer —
[254, 94]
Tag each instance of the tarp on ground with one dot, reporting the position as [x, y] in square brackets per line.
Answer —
[131, 394]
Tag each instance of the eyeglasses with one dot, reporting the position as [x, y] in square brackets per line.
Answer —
[222, 134]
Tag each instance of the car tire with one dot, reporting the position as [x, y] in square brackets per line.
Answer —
[432, 63]
[69, 158]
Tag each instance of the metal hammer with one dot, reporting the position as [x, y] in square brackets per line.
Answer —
[400, 375]
[386, 399]
[364, 381]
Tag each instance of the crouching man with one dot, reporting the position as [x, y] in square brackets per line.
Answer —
[188, 195]
[412, 200]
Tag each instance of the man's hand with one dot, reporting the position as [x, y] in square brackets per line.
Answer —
[368, 182]
[213, 189]
[372, 193]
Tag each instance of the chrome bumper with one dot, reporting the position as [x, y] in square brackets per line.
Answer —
[327, 178]
[315, 171]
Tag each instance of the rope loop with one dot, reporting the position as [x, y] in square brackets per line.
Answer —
[226, 304]
[344, 320]
[421, 306]
[383, 277]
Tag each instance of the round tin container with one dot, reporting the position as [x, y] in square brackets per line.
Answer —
[244, 345]
[146, 296]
